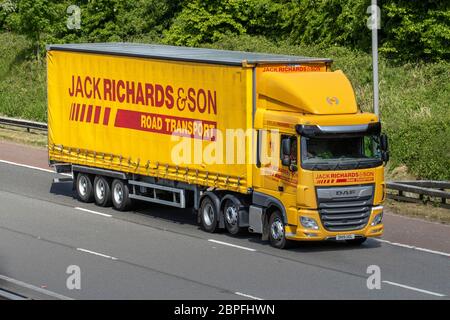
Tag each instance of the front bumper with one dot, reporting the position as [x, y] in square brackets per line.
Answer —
[300, 233]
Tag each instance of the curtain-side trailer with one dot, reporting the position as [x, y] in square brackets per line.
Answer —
[273, 144]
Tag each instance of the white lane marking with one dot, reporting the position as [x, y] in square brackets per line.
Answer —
[32, 167]
[247, 296]
[26, 166]
[445, 254]
[412, 288]
[231, 245]
[94, 212]
[34, 288]
[97, 254]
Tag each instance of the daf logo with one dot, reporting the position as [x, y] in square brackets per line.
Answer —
[345, 193]
[333, 101]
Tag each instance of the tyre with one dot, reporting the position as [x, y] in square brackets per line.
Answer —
[121, 195]
[84, 187]
[357, 241]
[102, 191]
[231, 217]
[276, 231]
[209, 215]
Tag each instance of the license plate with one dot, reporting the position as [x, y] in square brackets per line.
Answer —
[345, 237]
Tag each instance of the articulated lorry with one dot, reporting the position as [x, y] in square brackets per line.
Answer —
[271, 144]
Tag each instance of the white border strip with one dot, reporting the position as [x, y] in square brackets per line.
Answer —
[26, 166]
[94, 212]
[34, 288]
[445, 254]
[231, 245]
[414, 289]
[34, 168]
[97, 254]
[11, 296]
[247, 296]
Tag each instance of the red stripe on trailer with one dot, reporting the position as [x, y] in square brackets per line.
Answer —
[83, 110]
[89, 113]
[106, 116]
[97, 114]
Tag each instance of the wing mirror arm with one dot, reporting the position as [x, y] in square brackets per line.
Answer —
[384, 146]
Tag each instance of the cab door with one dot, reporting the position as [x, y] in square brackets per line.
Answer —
[279, 177]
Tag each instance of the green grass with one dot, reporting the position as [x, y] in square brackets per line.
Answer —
[22, 80]
[414, 98]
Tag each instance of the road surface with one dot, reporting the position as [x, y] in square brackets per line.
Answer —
[158, 252]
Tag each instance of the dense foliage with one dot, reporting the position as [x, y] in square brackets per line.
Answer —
[410, 29]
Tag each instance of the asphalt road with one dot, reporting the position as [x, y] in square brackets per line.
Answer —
[158, 252]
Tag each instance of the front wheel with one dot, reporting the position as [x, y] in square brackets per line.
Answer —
[277, 235]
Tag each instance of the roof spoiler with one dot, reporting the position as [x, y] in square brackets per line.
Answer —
[315, 131]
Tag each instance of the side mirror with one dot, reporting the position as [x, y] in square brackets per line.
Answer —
[384, 145]
[285, 161]
[286, 147]
[385, 156]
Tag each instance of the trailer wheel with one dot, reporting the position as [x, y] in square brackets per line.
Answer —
[102, 191]
[209, 215]
[85, 190]
[277, 234]
[231, 217]
[121, 195]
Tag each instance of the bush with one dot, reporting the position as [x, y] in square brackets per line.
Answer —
[423, 146]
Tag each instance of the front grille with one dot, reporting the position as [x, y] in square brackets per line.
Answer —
[345, 208]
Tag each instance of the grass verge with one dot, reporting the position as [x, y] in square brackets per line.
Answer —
[21, 135]
[428, 212]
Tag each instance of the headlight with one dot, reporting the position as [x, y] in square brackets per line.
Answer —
[377, 220]
[309, 223]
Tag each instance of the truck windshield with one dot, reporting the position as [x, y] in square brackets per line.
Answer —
[334, 152]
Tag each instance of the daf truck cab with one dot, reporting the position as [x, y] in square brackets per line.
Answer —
[330, 176]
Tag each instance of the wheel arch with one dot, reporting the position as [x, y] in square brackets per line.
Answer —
[270, 204]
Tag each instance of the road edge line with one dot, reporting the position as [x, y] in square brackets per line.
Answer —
[413, 288]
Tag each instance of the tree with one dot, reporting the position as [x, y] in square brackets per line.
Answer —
[209, 21]
[417, 29]
[34, 18]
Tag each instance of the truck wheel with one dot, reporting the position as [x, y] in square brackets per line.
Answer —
[121, 195]
[85, 191]
[276, 231]
[231, 217]
[357, 241]
[209, 215]
[102, 191]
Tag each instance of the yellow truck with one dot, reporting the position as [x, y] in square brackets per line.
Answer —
[271, 144]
